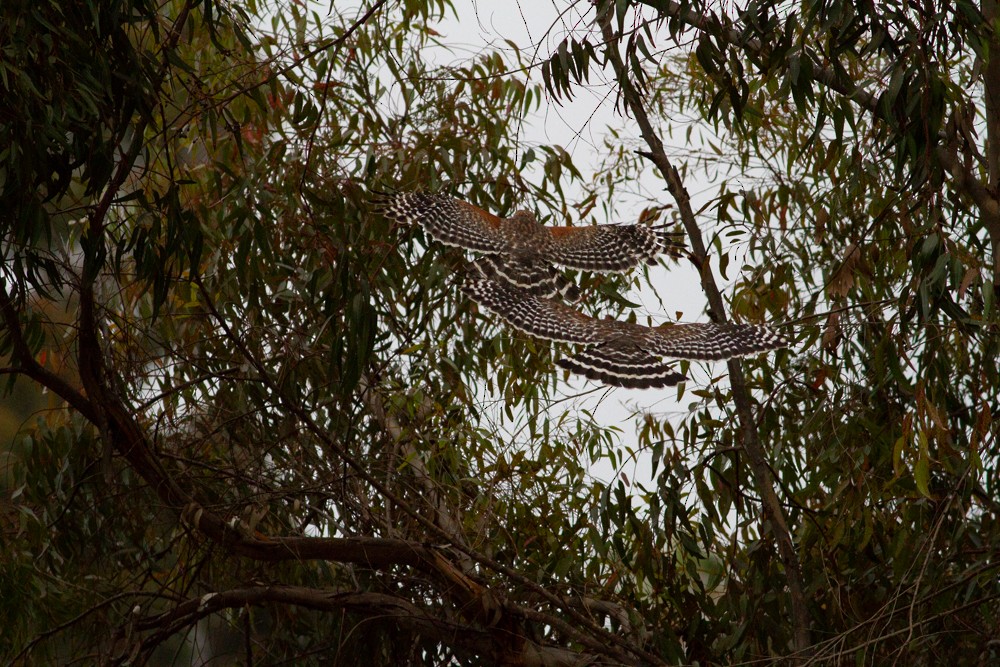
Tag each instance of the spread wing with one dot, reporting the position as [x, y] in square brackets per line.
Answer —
[539, 317]
[709, 341]
[609, 247]
[536, 276]
[446, 219]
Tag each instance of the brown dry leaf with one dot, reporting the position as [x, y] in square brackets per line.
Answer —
[843, 280]
[819, 231]
[982, 429]
[970, 275]
[820, 378]
[938, 423]
[831, 335]
[649, 215]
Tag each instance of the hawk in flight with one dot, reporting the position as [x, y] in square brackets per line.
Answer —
[622, 354]
[522, 251]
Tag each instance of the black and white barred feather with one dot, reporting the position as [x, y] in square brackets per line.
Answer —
[524, 252]
[619, 353]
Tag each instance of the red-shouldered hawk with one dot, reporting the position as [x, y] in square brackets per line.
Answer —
[522, 251]
[623, 354]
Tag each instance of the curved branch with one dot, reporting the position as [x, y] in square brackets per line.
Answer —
[29, 367]
[465, 639]
[383, 606]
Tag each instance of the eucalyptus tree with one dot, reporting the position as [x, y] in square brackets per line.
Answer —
[272, 418]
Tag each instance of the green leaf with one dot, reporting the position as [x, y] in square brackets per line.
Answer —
[898, 450]
[921, 469]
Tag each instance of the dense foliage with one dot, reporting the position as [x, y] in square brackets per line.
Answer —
[247, 418]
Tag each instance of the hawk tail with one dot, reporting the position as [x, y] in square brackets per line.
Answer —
[631, 368]
[537, 278]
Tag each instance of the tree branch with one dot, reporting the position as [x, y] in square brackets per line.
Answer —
[29, 367]
[374, 605]
[773, 513]
[465, 639]
[482, 601]
[991, 91]
[444, 515]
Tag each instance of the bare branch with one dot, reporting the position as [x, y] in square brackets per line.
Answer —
[29, 367]
[464, 639]
[773, 512]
